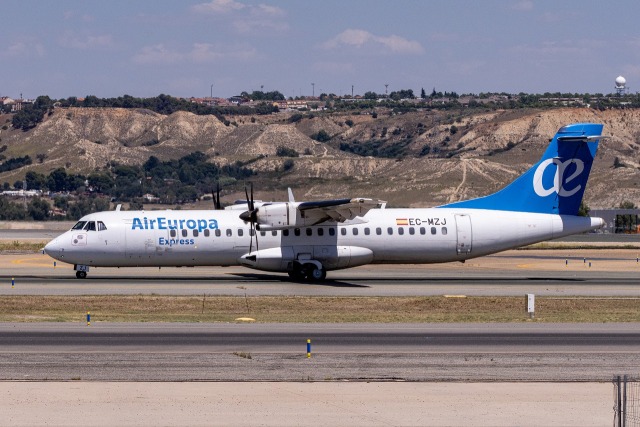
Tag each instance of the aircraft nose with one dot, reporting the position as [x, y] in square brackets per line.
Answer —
[53, 248]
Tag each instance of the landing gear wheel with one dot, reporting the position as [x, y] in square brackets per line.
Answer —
[317, 274]
[81, 274]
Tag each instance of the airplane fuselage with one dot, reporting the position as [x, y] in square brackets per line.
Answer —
[219, 238]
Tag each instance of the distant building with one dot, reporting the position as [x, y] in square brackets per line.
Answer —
[22, 193]
[296, 104]
[618, 220]
[238, 100]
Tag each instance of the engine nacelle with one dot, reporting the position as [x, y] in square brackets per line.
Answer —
[280, 216]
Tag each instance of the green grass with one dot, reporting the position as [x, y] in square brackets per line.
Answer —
[435, 309]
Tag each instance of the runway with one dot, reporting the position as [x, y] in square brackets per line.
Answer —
[277, 352]
[512, 273]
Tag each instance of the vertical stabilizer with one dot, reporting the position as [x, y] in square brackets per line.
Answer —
[556, 183]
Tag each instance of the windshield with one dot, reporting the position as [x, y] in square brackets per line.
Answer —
[79, 225]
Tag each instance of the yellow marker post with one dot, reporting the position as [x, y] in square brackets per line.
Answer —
[308, 349]
[13, 282]
[88, 318]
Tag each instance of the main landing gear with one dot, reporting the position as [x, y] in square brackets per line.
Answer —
[309, 272]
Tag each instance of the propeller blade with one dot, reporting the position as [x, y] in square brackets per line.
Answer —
[252, 204]
[218, 204]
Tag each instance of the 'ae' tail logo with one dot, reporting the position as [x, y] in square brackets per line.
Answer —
[559, 180]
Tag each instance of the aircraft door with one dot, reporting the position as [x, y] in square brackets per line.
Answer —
[155, 243]
[463, 234]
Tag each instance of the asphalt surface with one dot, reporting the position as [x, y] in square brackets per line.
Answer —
[35, 275]
[276, 352]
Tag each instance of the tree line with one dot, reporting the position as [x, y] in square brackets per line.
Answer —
[173, 181]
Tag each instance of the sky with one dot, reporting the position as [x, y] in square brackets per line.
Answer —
[196, 48]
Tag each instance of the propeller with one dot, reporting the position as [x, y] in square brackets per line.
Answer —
[216, 197]
[250, 216]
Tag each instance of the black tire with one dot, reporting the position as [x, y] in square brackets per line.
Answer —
[296, 275]
[81, 274]
[317, 274]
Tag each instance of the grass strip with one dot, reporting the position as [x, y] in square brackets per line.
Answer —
[17, 246]
[303, 309]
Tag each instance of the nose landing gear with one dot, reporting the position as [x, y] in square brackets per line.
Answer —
[81, 271]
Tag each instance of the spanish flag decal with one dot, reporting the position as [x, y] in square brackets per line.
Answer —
[402, 221]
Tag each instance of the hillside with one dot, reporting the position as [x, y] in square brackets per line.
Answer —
[438, 157]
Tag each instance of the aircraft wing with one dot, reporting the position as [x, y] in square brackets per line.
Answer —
[339, 210]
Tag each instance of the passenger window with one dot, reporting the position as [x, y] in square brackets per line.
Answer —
[367, 231]
[332, 231]
[218, 232]
[378, 231]
[229, 232]
[296, 231]
[184, 233]
[285, 233]
[320, 231]
[412, 231]
[240, 232]
[433, 230]
[79, 225]
[355, 231]
[309, 231]
[343, 231]
[173, 233]
[400, 231]
[207, 233]
[263, 233]
[91, 226]
[195, 233]
[390, 231]
[444, 231]
[274, 233]
[252, 232]
[423, 230]
[101, 226]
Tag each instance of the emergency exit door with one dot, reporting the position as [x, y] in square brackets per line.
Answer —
[463, 234]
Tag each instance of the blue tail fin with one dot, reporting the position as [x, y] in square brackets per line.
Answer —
[556, 183]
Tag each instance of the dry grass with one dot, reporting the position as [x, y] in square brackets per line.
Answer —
[154, 308]
[16, 246]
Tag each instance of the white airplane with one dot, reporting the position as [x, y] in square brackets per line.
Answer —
[307, 239]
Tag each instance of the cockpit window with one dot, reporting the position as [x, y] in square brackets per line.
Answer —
[79, 225]
[101, 226]
[91, 226]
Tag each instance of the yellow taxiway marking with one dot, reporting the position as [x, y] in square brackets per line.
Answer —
[38, 262]
[454, 296]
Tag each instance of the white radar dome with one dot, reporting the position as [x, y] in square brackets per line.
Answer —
[620, 81]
